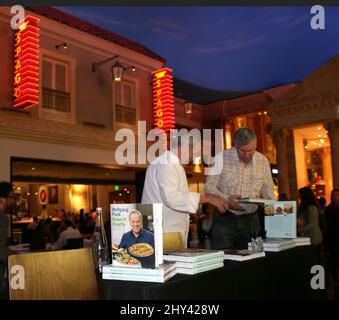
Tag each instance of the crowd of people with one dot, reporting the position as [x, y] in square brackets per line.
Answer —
[43, 230]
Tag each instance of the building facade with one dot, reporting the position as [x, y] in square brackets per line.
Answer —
[69, 137]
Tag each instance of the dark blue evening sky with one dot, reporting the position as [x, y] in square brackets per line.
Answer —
[227, 48]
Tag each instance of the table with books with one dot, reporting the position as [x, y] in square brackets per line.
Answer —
[277, 275]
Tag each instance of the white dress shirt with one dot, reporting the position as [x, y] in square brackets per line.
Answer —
[166, 183]
[69, 233]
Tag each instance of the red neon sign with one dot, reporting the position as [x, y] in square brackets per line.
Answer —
[26, 64]
[163, 99]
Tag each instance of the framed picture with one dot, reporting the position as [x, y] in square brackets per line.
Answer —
[53, 195]
[43, 195]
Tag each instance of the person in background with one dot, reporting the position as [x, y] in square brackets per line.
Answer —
[332, 232]
[56, 213]
[283, 197]
[44, 213]
[69, 233]
[33, 225]
[322, 223]
[245, 173]
[205, 226]
[308, 218]
[166, 183]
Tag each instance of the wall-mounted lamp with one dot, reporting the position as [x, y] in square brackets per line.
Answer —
[61, 45]
[188, 108]
[117, 68]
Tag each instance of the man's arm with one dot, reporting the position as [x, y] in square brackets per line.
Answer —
[168, 177]
[211, 186]
[123, 242]
[267, 190]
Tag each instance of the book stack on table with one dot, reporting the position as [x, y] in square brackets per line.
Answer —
[160, 274]
[242, 255]
[277, 244]
[302, 241]
[193, 261]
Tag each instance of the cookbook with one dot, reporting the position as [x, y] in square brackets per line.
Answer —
[280, 217]
[137, 236]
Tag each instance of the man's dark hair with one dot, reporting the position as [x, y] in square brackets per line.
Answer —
[5, 189]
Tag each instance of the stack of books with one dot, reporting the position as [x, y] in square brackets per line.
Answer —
[242, 255]
[301, 241]
[193, 261]
[276, 244]
[160, 274]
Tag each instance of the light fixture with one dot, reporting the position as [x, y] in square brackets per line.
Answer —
[188, 107]
[63, 45]
[117, 68]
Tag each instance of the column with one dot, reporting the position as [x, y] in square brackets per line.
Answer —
[280, 141]
[332, 128]
[327, 173]
[5, 166]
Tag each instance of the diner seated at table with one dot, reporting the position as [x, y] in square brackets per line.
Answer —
[69, 233]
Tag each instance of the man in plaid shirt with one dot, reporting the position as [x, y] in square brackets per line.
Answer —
[245, 173]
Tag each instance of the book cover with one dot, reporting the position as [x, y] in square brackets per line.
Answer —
[280, 217]
[242, 255]
[192, 255]
[137, 236]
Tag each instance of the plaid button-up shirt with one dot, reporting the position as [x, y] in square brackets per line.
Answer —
[252, 181]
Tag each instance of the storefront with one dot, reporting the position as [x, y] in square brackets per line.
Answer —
[306, 133]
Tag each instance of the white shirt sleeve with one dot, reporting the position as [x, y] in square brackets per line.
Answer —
[174, 189]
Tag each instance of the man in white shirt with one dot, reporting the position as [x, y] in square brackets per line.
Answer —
[166, 183]
[245, 173]
[69, 233]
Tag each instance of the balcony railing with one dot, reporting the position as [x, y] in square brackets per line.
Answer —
[125, 115]
[55, 100]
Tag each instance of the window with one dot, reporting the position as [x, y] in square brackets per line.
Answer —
[55, 86]
[124, 101]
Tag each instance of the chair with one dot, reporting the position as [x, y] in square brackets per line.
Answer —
[75, 243]
[54, 275]
[173, 242]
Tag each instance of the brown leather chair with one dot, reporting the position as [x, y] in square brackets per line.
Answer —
[53, 275]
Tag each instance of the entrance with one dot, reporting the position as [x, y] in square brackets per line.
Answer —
[313, 159]
[63, 188]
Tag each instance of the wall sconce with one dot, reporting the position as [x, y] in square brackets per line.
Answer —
[63, 45]
[117, 68]
[188, 108]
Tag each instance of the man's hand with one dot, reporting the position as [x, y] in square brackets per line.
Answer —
[215, 200]
[234, 204]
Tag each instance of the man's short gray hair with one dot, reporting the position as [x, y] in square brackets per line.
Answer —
[244, 136]
[135, 211]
